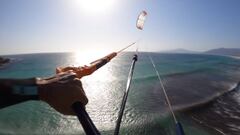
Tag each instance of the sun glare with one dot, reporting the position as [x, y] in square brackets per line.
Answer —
[95, 6]
[86, 57]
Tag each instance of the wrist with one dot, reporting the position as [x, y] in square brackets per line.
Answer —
[26, 88]
[29, 92]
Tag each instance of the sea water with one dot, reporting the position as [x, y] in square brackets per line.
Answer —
[199, 87]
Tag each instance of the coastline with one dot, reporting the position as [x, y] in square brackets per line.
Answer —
[4, 61]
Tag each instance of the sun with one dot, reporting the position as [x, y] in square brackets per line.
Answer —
[95, 6]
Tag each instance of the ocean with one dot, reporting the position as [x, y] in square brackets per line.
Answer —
[203, 89]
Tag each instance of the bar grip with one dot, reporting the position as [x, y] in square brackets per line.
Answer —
[85, 120]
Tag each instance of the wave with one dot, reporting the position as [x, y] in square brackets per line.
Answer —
[208, 100]
[192, 89]
[151, 77]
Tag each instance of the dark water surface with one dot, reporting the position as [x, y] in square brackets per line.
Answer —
[195, 84]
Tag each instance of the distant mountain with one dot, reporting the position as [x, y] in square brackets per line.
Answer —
[225, 51]
[180, 50]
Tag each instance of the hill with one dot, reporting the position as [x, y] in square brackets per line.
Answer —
[225, 51]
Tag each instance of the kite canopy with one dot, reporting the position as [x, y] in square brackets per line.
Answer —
[141, 19]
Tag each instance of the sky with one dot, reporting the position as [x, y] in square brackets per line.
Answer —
[35, 26]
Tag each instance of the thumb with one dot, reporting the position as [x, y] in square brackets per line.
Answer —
[58, 70]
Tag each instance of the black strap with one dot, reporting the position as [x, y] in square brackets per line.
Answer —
[8, 99]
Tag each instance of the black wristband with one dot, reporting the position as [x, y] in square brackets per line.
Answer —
[25, 90]
[16, 95]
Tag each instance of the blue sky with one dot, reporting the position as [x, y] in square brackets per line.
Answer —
[31, 26]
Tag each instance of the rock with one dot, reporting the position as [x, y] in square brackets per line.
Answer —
[4, 61]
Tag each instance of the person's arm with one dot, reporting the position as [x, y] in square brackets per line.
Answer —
[60, 94]
[14, 91]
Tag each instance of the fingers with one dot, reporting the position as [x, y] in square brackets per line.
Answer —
[80, 71]
[65, 69]
[61, 96]
[81, 93]
[83, 97]
[77, 81]
[58, 70]
[76, 70]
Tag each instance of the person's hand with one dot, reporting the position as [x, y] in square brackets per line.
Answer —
[80, 71]
[61, 96]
